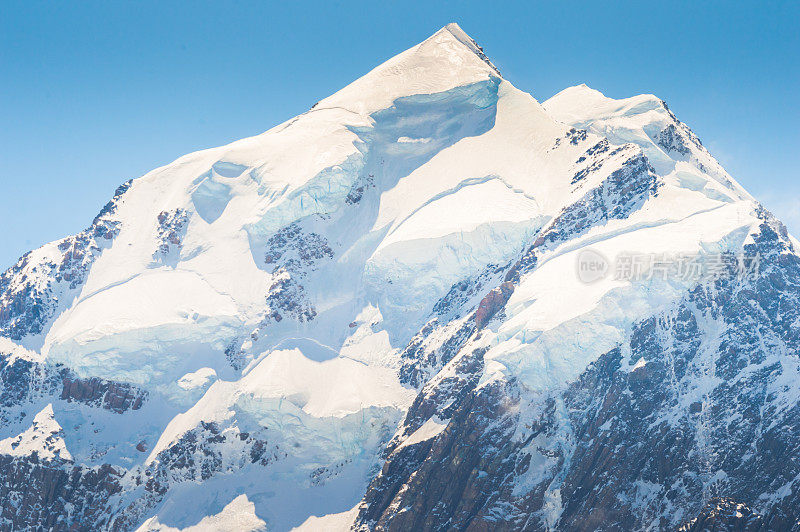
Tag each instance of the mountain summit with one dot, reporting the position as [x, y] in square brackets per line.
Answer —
[447, 59]
[430, 302]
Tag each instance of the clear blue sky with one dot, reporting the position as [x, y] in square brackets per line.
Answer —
[94, 93]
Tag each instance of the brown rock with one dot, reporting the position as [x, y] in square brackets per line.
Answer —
[492, 303]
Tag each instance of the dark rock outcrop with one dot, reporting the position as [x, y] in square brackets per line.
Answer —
[56, 495]
[171, 231]
[491, 304]
[725, 515]
[115, 396]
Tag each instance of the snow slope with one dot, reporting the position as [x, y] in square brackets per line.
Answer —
[44, 437]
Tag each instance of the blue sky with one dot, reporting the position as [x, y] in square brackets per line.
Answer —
[96, 93]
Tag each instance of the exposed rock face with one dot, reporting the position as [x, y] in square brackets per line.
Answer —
[359, 189]
[460, 298]
[492, 303]
[425, 354]
[725, 515]
[294, 252]
[23, 381]
[287, 297]
[573, 136]
[295, 248]
[624, 191]
[619, 195]
[171, 231]
[636, 441]
[114, 396]
[671, 140]
[59, 495]
[26, 381]
[454, 477]
[55, 495]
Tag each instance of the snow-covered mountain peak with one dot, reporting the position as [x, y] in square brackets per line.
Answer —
[646, 120]
[456, 31]
[580, 103]
[447, 59]
[269, 321]
[582, 93]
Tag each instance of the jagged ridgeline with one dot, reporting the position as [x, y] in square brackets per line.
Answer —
[428, 303]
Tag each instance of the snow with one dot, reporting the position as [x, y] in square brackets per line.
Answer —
[286, 378]
[522, 132]
[456, 170]
[331, 388]
[238, 516]
[451, 238]
[445, 60]
[132, 331]
[15, 352]
[197, 378]
[430, 429]
[44, 437]
[446, 208]
[228, 169]
[340, 522]
[640, 120]
[369, 344]
[556, 325]
[210, 199]
[464, 210]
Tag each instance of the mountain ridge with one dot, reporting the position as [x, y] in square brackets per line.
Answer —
[376, 306]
